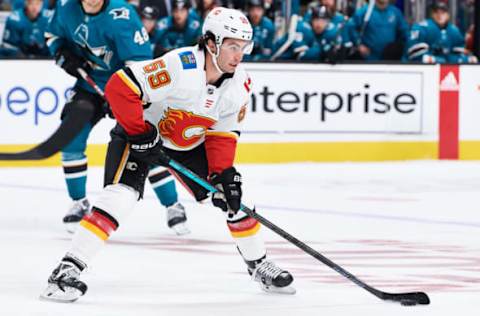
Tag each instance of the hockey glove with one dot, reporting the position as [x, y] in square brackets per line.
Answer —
[229, 185]
[147, 147]
[70, 61]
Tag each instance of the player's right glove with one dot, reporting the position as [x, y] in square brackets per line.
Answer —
[70, 61]
[229, 186]
[147, 146]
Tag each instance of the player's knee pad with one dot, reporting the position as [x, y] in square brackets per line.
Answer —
[116, 201]
[78, 107]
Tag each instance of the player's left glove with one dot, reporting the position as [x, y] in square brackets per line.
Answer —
[229, 184]
[70, 61]
[147, 146]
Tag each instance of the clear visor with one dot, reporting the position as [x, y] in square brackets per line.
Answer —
[243, 46]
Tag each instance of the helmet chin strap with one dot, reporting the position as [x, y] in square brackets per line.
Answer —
[214, 58]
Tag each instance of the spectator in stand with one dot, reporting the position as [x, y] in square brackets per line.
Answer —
[327, 44]
[24, 31]
[263, 31]
[378, 32]
[436, 40]
[179, 30]
[150, 16]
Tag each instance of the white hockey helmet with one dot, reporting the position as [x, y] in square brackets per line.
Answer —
[228, 23]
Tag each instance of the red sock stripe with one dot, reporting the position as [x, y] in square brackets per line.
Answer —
[101, 222]
[243, 225]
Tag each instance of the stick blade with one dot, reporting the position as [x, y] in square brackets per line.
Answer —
[413, 298]
[65, 133]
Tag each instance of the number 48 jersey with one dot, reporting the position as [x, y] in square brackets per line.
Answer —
[107, 40]
[177, 98]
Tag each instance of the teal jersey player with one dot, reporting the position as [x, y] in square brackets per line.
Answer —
[105, 40]
[180, 29]
[263, 31]
[436, 40]
[24, 29]
[101, 37]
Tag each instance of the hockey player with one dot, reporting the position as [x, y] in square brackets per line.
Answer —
[179, 30]
[198, 98]
[384, 32]
[263, 31]
[24, 29]
[100, 37]
[302, 40]
[337, 18]
[328, 41]
[150, 16]
[436, 40]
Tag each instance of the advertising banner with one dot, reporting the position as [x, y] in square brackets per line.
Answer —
[295, 99]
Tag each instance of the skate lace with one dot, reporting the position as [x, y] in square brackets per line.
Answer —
[65, 272]
[266, 272]
[79, 208]
[176, 210]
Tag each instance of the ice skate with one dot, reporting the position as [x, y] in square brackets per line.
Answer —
[64, 284]
[272, 279]
[75, 214]
[177, 219]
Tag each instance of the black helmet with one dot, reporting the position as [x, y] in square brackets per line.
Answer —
[255, 3]
[180, 4]
[320, 12]
[439, 5]
[150, 13]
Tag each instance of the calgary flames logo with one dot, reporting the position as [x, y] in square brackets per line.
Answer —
[183, 128]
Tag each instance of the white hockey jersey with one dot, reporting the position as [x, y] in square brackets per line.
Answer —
[187, 110]
[183, 105]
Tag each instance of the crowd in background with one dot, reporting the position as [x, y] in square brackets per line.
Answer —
[305, 31]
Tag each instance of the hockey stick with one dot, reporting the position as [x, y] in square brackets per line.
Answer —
[412, 298]
[292, 30]
[65, 133]
[366, 18]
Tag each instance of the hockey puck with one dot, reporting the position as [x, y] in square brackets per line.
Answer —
[407, 302]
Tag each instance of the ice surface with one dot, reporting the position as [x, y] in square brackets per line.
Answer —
[404, 226]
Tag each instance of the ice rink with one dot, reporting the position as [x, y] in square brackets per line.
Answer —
[403, 226]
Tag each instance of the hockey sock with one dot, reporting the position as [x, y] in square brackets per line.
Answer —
[74, 164]
[246, 233]
[114, 204]
[164, 186]
[76, 177]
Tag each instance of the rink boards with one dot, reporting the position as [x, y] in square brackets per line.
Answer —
[299, 112]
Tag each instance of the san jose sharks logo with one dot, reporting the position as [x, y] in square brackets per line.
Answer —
[99, 56]
[120, 13]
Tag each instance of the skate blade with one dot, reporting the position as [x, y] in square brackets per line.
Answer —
[288, 290]
[54, 294]
[71, 227]
[181, 229]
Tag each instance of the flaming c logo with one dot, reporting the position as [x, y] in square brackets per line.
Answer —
[183, 128]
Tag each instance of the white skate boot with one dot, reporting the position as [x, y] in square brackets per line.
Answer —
[75, 214]
[272, 279]
[177, 219]
[64, 284]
